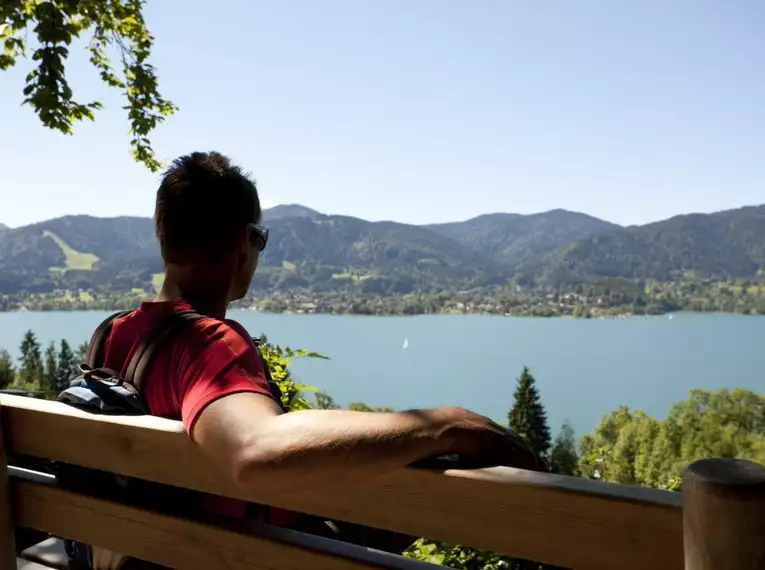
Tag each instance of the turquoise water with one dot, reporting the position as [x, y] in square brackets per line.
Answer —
[584, 368]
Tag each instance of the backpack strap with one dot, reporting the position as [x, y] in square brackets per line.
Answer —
[169, 327]
[97, 346]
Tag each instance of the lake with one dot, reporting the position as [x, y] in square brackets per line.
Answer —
[584, 368]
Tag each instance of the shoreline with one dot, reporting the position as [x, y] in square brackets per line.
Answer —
[609, 304]
[620, 316]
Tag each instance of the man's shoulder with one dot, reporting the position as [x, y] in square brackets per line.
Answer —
[239, 329]
[203, 333]
[218, 335]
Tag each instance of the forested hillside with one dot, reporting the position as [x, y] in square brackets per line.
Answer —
[315, 252]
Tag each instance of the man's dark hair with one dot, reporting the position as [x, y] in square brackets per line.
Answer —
[204, 203]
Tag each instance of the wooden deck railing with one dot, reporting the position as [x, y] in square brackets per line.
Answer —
[565, 521]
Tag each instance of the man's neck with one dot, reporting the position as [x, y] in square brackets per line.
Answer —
[204, 300]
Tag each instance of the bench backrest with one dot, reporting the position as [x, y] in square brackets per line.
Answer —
[565, 521]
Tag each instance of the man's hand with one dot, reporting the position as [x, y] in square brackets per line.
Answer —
[480, 442]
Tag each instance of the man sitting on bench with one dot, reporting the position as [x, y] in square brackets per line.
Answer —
[212, 377]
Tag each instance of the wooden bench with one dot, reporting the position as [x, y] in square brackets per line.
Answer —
[565, 521]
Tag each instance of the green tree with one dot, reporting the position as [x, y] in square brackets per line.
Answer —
[527, 416]
[66, 368]
[580, 311]
[50, 370]
[323, 401]
[628, 446]
[31, 361]
[362, 407]
[82, 353]
[564, 459]
[7, 371]
[115, 27]
[278, 360]
[620, 449]
[458, 557]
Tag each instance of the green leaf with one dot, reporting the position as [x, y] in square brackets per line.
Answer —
[112, 22]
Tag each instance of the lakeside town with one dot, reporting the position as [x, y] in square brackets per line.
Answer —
[606, 300]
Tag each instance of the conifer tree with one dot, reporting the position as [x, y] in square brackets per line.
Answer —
[67, 366]
[50, 371]
[31, 360]
[564, 459]
[527, 416]
[7, 371]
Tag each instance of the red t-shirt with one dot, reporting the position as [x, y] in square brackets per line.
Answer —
[212, 360]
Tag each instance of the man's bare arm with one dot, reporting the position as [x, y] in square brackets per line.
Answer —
[265, 449]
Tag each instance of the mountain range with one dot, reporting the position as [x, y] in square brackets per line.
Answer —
[313, 251]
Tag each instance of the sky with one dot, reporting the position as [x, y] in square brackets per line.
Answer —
[424, 110]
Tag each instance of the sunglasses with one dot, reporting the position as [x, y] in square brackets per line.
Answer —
[259, 236]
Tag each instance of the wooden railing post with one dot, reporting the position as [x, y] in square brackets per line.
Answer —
[7, 541]
[724, 515]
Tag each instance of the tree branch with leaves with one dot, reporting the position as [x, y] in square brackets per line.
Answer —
[115, 26]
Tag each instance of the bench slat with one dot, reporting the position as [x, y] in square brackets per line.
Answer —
[565, 521]
[180, 543]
